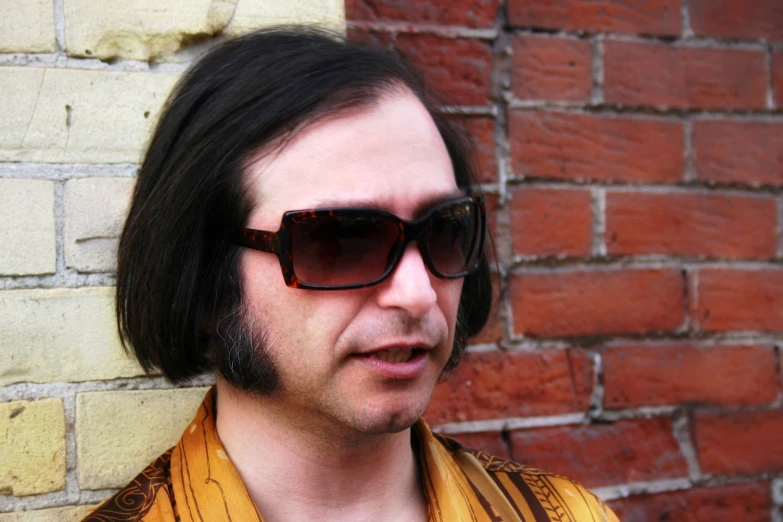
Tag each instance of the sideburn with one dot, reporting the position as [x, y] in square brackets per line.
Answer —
[240, 355]
[458, 348]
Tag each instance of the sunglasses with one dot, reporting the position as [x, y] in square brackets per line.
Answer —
[345, 248]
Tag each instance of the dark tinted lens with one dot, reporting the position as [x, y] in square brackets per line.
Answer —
[342, 249]
[453, 235]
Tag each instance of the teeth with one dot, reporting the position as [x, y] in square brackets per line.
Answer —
[393, 356]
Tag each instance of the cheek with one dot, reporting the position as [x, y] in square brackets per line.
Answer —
[325, 316]
[293, 318]
[260, 274]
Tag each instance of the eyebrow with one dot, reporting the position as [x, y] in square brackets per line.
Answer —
[379, 203]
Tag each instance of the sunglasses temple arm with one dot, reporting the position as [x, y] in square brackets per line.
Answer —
[257, 240]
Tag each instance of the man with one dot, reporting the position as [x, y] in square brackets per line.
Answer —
[304, 224]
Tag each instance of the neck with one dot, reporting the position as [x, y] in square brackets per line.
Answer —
[297, 469]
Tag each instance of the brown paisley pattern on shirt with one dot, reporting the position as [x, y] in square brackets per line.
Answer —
[136, 499]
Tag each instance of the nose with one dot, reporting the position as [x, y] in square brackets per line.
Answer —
[409, 286]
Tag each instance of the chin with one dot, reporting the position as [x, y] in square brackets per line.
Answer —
[388, 420]
[393, 424]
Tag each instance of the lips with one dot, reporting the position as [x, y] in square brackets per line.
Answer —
[403, 361]
[396, 355]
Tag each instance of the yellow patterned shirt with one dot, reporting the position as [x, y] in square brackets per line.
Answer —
[195, 481]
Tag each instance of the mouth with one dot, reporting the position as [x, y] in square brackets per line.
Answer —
[396, 355]
[396, 362]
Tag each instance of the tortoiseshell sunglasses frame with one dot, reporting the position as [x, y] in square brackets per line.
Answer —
[279, 243]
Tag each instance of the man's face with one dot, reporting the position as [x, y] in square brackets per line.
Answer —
[389, 156]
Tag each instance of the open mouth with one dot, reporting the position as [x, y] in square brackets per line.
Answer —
[396, 356]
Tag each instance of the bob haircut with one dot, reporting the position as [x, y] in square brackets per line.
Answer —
[177, 267]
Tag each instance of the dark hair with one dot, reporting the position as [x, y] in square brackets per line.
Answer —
[177, 269]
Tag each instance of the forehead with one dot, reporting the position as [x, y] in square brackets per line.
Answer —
[389, 156]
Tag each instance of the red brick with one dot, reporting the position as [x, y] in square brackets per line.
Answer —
[586, 147]
[645, 375]
[749, 19]
[624, 16]
[708, 225]
[738, 151]
[468, 13]
[739, 300]
[490, 442]
[482, 132]
[625, 451]
[496, 385]
[460, 68]
[777, 77]
[597, 302]
[683, 77]
[731, 503]
[741, 443]
[549, 68]
[493, 330]
[551, 222]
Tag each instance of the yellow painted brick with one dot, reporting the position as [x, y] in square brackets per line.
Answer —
[78, 116]
[27, 26]
[95, 210]
[140, 29]
[253, 14]
[121, 432]
[61, 514]
[32, 449]
[27, 231]
[18, 88]
[63, 334]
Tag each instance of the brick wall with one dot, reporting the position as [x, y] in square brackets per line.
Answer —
[81, 82]
[632, 155]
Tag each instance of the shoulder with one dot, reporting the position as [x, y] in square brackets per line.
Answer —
[137, 499]
[536, 494]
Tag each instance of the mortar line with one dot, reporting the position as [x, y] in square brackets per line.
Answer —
[26, 391]
[599, 221]
[607, 493]
[597, 70]
[29, 59]
[59, 226]
[687, 133]
[501, 83]
[66, 171]
[711, 43]
[648, 112]
[557, 266]
[777, 492]
[68, 278]
[596, 407]
[59, 27]
[770, 87]
[662, 340]
[509, 424]
[446, 31]
[681, 430]
[470, 110]
[697, 187]
[692, 41]
[71, 473]
[685, 20]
